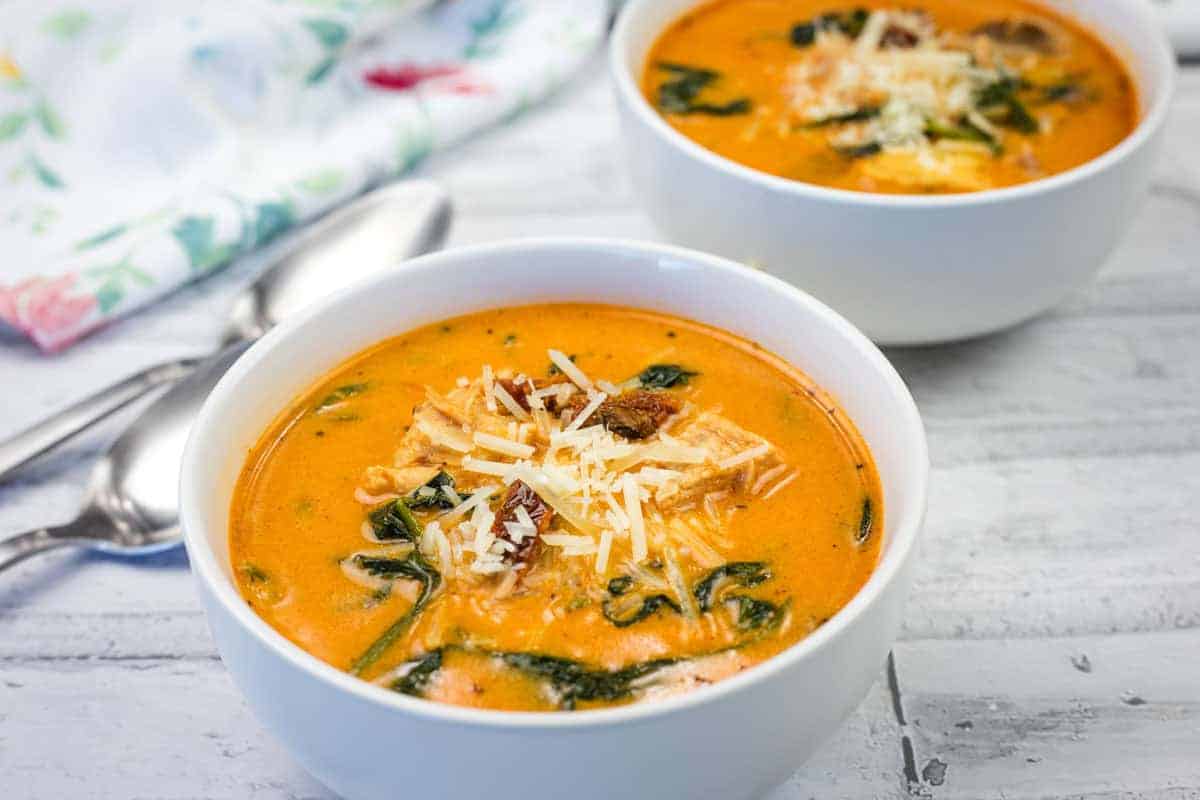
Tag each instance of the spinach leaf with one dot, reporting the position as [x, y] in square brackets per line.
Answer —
[998, 102]
[678, 94]
[619, 586]
[664, 376]
[859, 150]
[393, 521]
[622, 613]
[803, 34]
[858, 115]
[414, 567]
[255, 573]
[416, 500]
[416, 680]
[573, 681]
[850, 23]
[864, 523]
[754, 614]
[340, 395]
[1068, 90]
[964, 131]
[732, 108]
[743, 573]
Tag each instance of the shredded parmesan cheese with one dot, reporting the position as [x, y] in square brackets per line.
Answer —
[574, 373]
[506, 447]
[509, 403]
[746, 455]
[633, 509]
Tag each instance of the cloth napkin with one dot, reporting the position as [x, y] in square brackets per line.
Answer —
[144, 144]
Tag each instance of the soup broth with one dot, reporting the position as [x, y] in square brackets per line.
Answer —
[934, 96]
[555, 507]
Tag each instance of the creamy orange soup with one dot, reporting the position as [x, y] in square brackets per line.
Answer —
[555, 507]
[932, 96]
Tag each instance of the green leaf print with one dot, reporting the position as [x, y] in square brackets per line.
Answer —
[322, 182]
[197, 236]
[108, 296]
[12, 124]
[332, 35]
[484, 28]
[412, 148]
[114, 280]
[49, 121]
[46, 176]
[67, 24]
[270, 220]
[321, 71]
[97, 239]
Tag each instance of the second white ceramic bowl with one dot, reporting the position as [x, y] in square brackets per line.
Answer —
[734, 739]
[906, 269]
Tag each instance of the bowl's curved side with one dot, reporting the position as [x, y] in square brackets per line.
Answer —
[754, 728]
[907, 269]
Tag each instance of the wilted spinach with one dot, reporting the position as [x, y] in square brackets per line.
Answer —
[664, 376]
[576, 682]
[851, 23]
[393, 521]
[416, 500]
[340, 395]
[859, 150]
[413, 567]
[998, 102]
[744, 573]
[964, 131]
[416, 680]
[865, 521]
[858, 115]
[753, 614]
[678, 95]
[619, 586]
[622, 613]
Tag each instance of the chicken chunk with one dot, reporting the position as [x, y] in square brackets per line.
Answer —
[721, 439]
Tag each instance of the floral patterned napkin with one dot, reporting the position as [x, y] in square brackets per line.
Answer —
[144, 144]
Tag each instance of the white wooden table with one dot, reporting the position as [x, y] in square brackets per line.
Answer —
[1052, 644]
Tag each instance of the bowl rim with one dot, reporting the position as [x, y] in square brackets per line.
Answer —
[205, 566]
[1152, 119]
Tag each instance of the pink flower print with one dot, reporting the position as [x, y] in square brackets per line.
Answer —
[47, 311]
[448, 78]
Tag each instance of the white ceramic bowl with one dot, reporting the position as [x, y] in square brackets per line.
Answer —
[906, 269]
[734, 739]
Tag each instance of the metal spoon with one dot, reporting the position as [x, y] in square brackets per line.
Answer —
[132, 502]
[370, 234]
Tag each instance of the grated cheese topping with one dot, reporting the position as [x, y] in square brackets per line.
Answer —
[917, 106]
[617, 503]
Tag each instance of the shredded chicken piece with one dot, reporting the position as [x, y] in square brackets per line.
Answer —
[722, 439]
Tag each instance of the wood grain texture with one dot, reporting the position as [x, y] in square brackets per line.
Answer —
[1062, 523]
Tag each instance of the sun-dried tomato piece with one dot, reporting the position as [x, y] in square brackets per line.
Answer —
[635, 414]
[520, 495]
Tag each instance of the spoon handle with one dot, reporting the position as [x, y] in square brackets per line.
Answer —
[66, 423]
[20, 547]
